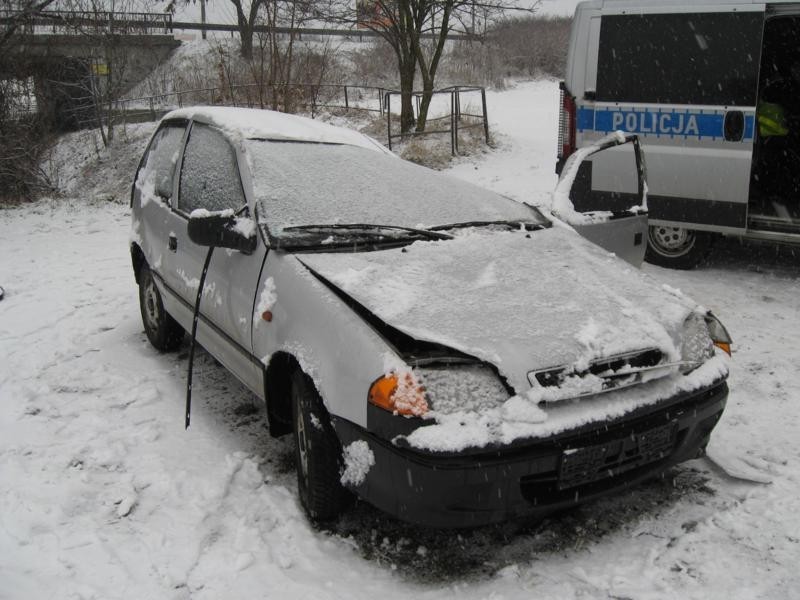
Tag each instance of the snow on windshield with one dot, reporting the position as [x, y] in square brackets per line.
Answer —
[307, 183]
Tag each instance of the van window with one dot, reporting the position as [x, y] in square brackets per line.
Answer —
[690, 58]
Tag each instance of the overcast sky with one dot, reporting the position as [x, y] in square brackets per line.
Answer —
[562, 8]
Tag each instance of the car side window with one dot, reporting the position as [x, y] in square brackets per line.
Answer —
[158, 168]
[209, 175]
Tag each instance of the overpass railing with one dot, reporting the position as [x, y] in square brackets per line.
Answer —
[82, 22]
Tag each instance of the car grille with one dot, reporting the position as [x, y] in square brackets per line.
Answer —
[615, 372]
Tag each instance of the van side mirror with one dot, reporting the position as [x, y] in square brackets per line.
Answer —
[222, 229]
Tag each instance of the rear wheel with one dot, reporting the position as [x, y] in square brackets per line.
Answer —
[162, 330]
[677, 247]
[317, 452]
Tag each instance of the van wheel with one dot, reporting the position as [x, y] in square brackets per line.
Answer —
[318, 453]
[162, 330]
[677, 247]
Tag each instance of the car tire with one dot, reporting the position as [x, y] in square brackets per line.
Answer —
[318, 454]
[162, 330]
[677, 247]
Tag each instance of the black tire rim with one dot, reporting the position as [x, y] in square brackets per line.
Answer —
[671, 242]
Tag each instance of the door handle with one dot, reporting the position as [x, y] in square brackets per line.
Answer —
[734, 126]
[173, 243]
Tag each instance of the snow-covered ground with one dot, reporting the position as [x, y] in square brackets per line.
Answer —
[104, 495]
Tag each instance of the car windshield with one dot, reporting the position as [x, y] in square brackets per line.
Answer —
[313, 193]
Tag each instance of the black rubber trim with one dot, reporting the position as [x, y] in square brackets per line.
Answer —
[664, 208]
[463, 490]
[704, 212]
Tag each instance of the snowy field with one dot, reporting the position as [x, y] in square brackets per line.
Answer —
[103, 495]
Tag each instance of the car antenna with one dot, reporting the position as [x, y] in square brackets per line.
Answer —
[194, 333]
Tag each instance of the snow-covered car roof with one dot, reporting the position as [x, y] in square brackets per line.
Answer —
[253, 123]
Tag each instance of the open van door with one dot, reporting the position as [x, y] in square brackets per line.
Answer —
[683, 76]
[774, 208]
[617, 216]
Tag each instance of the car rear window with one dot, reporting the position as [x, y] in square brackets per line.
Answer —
[161, 158]
[690, 58]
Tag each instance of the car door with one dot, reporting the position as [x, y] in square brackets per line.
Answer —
[153, 192]
[617, 218]
[210, 179]
[673, 75]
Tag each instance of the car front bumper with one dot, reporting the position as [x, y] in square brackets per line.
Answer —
[535, 477]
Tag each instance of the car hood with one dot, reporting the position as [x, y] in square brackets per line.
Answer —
[520, 301]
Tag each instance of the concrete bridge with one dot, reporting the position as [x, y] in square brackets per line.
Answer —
[79, 59]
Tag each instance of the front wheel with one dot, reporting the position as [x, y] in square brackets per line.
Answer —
[677, 247]
[317, 452]
[162, 330]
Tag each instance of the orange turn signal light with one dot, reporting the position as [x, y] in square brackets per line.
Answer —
[724, 346]
[399, 394]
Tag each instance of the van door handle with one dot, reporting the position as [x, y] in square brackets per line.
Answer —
[173, 243]
[734, 126]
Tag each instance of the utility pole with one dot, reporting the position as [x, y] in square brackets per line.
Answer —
[203, 16]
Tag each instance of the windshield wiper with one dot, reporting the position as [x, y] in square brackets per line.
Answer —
[526, 225]
[369, 228]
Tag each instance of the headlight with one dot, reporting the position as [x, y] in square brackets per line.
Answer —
[454, 388]
[445, 389]
[696, 345]
[700, 334]
[719, 335]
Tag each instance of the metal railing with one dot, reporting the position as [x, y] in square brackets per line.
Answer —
[457, 117]
[77, 22]
[81, 22]
[310, 96]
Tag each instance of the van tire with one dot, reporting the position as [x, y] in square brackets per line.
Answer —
[318, 454]
[677, 247]
[164, 332]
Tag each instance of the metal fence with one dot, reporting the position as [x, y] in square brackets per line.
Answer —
[308, 96]
[457, 119]
[82, 22]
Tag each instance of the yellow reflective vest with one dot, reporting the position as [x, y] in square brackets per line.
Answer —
[771, 120]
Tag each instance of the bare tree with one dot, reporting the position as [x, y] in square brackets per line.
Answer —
[532, 46]
[22, 133]
[246, 16]
[17, 13]
[417, 31]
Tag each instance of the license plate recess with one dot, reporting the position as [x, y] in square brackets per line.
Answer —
[587, 464]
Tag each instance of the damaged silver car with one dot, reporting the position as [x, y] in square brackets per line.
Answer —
[451, 356]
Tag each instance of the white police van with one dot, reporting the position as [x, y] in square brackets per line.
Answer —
[712, 88]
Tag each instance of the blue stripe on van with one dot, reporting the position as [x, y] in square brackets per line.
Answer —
[659, 123]
[585, 119]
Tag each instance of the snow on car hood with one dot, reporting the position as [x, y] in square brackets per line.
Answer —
[520, 301]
